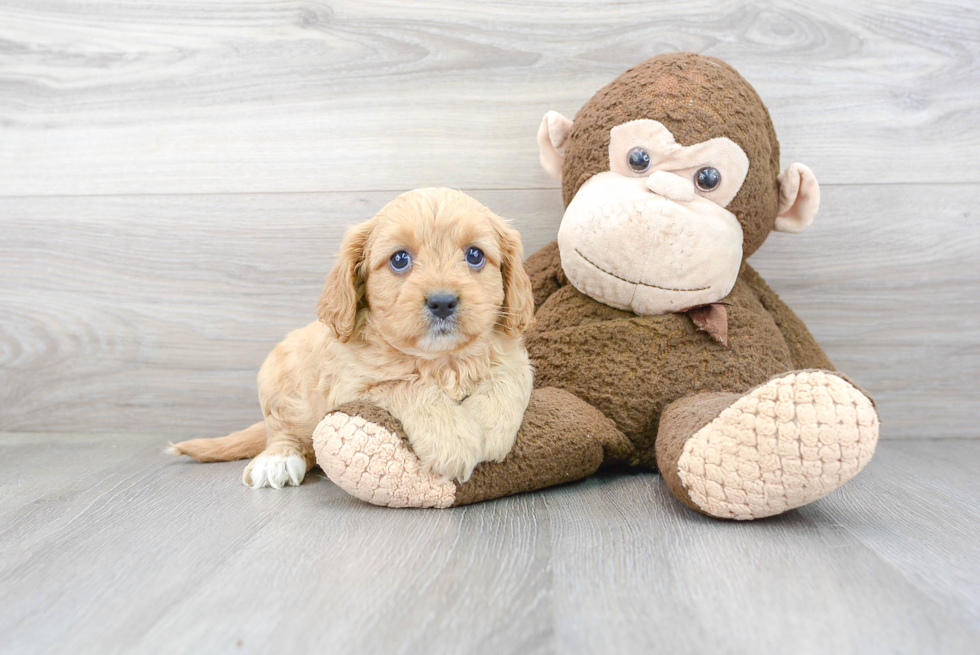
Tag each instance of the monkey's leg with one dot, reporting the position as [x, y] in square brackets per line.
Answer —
[363, 450]
[776, 447]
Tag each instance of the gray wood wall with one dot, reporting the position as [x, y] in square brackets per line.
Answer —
[175, 177]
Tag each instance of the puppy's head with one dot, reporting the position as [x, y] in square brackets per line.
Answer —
[433, 271]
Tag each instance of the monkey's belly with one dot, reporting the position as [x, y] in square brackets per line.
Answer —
[631, 367]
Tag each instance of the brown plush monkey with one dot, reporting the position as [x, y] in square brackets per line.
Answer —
[655, 344]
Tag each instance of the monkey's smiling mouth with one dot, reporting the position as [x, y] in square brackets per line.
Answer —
[642, 284]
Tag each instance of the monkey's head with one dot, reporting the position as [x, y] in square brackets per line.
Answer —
[670, 176]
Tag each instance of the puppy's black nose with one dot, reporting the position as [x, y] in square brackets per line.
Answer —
[442, 304]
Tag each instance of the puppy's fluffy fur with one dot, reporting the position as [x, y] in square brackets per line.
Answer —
[459, 385]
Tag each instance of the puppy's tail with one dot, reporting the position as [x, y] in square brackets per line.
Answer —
[237, 445]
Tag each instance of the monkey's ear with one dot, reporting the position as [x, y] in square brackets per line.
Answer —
[552, 137]
[799, 198]
[343, 293]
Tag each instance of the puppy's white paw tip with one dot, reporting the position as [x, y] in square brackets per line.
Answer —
[277, 471]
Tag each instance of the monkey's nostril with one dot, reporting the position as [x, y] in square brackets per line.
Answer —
[442, 304]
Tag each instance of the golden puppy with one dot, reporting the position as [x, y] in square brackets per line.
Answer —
[423, 315]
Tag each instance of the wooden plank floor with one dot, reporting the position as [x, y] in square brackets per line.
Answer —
[107, 545]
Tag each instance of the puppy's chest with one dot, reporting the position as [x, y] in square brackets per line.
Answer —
[456, 382]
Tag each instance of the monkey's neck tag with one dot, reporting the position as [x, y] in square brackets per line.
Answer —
[713, 319]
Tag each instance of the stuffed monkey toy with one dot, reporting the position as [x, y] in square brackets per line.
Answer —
[655, 344]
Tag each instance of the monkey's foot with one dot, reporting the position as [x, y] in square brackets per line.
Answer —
[780, 446]
[371, 461]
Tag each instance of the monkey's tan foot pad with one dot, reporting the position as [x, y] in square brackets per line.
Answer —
[371, 462]
[782, 445]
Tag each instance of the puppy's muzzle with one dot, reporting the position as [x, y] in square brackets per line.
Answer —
[442, 305]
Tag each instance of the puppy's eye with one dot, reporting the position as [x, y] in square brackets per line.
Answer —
[639, 160]
[475, 258]
[707, 178]
[400, 262]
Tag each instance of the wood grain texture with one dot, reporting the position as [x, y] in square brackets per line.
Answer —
[887, 279]
[175, 177]
[155, 312]
[806, 581]
[203, 96]
[151, 554]
[62, 457]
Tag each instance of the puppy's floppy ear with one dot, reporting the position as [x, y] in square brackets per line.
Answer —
[343, 293]
[518, 309]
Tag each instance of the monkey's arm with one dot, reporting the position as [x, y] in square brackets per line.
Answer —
[544, 269]
[362, 449]
[803, 347]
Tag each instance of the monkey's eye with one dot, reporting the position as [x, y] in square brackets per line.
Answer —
[707, 178]
[400, 262]
[475, 258]
[639, 160]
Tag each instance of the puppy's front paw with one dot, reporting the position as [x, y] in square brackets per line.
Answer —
[499, 410]
[498, 443]
[452, 450]
[276, 470]
[452, 462]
